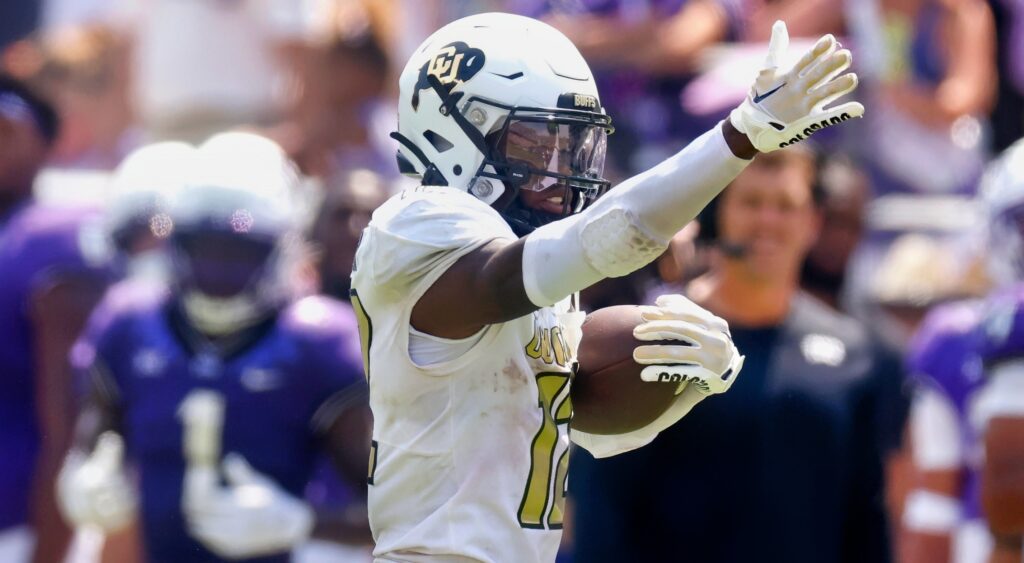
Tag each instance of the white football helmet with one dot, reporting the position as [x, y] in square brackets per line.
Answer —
[140, 193]
[1002, 196]
[500, 105]
[235, 239]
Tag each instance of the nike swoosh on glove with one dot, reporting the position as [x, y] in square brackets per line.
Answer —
[784, 108]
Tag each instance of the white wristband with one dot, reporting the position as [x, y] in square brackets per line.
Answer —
[931, 513]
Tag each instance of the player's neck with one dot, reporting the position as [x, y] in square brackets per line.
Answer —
[741, 301]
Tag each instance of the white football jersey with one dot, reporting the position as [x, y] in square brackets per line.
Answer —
[469, 455]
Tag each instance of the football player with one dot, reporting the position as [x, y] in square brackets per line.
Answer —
[943, 518]
[465, 286]
[222, 388]
[49, 284]
[997, 415]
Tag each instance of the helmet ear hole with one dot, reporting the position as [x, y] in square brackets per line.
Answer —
[439, 143]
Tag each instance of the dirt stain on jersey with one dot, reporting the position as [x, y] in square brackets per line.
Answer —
[513, 378]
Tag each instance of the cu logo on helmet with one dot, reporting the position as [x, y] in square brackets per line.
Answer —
[453, 64]
[447, 64]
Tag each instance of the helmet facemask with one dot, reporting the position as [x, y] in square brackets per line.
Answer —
[227, 281]
[551, 162]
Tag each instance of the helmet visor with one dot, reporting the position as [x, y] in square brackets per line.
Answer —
[555, 152]
[560, 163]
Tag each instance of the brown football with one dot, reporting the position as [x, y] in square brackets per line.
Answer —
[608, 396]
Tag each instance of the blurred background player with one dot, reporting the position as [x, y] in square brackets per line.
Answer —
[222, 388]
[997, 417]
[842, 206]
[792, 456]
[49, 283]
[131, 233]
[944, 519]
[345, 210]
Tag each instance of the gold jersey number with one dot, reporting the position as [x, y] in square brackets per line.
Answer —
[544, 494]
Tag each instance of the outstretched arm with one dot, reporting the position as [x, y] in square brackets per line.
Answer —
[487, 285]
[631, 225]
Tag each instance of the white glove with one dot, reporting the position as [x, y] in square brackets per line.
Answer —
[705, 355]
[787, 107]
[93, 490]
[251, 517]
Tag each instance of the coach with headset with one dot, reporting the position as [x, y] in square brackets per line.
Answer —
[788, 466]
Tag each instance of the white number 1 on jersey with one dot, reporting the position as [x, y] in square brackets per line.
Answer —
[202, 418]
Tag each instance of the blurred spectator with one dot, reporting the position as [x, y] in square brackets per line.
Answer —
[215, 357]
[347, 204]
[842, 207]
[49, 285]
[787, 465]
[84, 71]
[342, 119]
[929, 68]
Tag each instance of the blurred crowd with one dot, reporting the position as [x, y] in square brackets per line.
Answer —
[869, 276]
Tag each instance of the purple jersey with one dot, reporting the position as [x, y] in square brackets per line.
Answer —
[1001, 337]
[944, 356]
[38, 245]
[281, 390]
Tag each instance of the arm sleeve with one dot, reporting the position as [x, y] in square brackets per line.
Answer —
[631, 225]
[92, 353]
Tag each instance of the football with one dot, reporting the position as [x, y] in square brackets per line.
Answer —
[608, 396]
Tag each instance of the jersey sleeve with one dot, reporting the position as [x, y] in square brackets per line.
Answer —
[101, 351]
[92, 353]
[419, 233]
[941, 353]
[336, 368]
